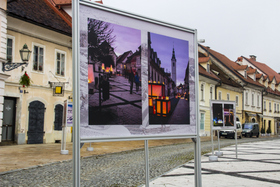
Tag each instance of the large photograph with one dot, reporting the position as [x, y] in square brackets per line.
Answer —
[125, 66]
[114, 74]
[168, 75]
[229, 115]
[223, 115]
[218, 118]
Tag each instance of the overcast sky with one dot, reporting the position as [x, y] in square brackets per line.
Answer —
[231, 27]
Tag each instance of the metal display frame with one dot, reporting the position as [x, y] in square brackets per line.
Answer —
[77, 141]
[212, 128]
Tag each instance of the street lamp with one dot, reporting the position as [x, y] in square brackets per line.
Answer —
[24, 55]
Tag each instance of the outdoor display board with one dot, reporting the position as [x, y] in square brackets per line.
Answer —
[68, 114]
[223, 115]
[137, 76]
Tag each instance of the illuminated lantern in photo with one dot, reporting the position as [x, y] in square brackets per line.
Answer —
[103, 66]
[163, 107]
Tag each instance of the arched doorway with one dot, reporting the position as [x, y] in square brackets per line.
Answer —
[253, 120]
[58, 113]
[36, 122]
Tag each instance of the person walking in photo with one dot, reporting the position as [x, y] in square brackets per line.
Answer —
[136, 79]
[131, 80]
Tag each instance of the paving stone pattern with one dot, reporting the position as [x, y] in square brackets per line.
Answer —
[112, 170]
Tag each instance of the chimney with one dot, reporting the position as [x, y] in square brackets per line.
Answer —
[253, 57]
[207, 50]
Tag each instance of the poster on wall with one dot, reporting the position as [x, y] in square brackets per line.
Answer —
[223, 115]
[137, 76]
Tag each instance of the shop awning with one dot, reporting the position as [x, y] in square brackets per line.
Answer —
[251, 114]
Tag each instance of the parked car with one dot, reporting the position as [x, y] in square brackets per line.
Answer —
[250, 129]
[231, 133]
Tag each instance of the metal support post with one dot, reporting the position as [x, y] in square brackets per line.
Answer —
[236, 143]
[63, 150]
[219, 145]
[197, 162]
[197, 151]
[147, 163]
[76, 93]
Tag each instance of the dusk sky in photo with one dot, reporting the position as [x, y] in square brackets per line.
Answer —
[163, 45]
[126, 39]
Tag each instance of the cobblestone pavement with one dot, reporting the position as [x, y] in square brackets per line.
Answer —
[117, 169]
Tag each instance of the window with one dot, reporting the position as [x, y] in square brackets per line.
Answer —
[10, 45]
[245, 74]
[208, 68]
[258, 100]
[275, 107]
[202, 92]
[269, 106]
[202, 118]
[60, 63]
[228, 96]
[253, 99]
[264, 105]
[278, 107]
[38, 58]
[58, 113]
[220, 95]
[246, 98]
[236, 100]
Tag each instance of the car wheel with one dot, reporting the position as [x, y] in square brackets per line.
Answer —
[257, 135]
[251, 135]
[240, 136]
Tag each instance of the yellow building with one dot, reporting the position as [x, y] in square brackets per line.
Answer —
[33, 114]
[207, 86]
[237, 83]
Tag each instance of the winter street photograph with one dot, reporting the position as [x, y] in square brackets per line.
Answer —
[114, 74]
[168, 80]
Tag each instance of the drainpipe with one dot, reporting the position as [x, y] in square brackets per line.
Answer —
[264, 92]
[217, 85]
[243, 104]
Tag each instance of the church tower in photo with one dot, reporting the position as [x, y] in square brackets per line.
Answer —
[173, 66]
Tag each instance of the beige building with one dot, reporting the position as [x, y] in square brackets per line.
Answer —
[33, 114]
[207, 86]
[271, 94]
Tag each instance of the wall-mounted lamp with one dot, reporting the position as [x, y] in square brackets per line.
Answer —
[24, 55]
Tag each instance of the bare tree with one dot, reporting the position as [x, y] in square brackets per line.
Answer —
[99, 32]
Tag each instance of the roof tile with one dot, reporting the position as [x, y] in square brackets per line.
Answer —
[232, 66]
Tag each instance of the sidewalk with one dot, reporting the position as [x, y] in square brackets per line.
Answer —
[257, 165]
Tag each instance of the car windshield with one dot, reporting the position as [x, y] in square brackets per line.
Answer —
[248, 126]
